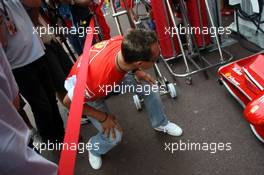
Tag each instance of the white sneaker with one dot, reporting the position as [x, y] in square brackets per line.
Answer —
[171, 129]
[95, 161]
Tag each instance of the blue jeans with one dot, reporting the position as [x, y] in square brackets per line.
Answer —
[153, 106]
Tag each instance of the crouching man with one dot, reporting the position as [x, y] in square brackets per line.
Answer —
[120, 60]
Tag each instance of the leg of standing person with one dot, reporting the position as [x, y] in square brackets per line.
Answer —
[63, 58]
[57, 122]
[57, 75]
[35, 85]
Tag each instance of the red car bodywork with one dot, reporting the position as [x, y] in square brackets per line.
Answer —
[244, 79]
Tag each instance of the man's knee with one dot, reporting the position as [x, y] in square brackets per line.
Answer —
[118, 137]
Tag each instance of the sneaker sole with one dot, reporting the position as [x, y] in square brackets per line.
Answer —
[166, 132]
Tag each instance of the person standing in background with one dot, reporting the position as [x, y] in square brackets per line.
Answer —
[25, 53]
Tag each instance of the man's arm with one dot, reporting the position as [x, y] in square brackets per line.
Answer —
[31, 3]
[108, 121]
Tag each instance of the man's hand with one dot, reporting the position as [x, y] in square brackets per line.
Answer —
[109, 126]
[141, 75]
[109, 123]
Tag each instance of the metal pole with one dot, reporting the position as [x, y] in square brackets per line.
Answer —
[216, 36]
[168, 22]
[178, 37]
[116, 17]
[201, 20]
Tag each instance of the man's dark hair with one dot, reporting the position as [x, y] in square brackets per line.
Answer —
[136, 45]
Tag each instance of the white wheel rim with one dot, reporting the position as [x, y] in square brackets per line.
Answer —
[172, 90]
[256, 134]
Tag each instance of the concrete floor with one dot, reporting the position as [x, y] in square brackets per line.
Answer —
[205, 111]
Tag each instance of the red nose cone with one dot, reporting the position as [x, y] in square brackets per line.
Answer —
[254, 112]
